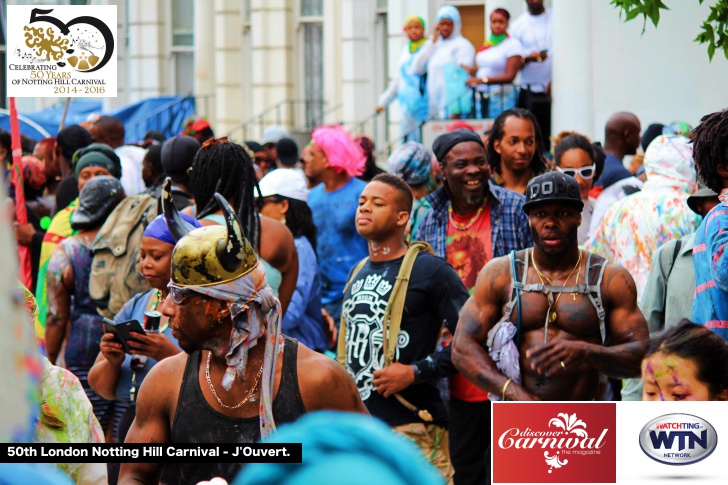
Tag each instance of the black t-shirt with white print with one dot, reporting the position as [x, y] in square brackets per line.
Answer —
[434, 297]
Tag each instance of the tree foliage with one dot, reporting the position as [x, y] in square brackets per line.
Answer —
[714, 30]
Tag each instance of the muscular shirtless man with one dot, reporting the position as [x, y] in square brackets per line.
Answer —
[563, 343]
[238, 377]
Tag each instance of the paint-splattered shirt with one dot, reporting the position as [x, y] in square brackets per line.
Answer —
[63, 398]
[634, 227]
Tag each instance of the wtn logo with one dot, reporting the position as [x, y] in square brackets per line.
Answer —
[665, 439]
[678, 439]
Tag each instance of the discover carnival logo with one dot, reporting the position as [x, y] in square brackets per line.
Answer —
[572, 442]
[678, 439]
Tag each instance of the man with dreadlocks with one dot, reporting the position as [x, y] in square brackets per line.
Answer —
[237, 366]
[710, 152]
[227, 168]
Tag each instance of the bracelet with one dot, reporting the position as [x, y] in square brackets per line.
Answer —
[484, 80]
[503, 392]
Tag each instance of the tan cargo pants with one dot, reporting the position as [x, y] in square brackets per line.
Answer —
[432, 441]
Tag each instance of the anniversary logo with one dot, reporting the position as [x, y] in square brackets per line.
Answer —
[61, 51]
[560, 442]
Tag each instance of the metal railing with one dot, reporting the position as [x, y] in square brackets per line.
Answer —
[312, 115]
[478, 102]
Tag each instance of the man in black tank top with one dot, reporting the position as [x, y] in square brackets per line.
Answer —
[577, 316]
[224, 316]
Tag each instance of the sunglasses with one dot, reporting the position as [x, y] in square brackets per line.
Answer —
[178, 293]
[584, 172]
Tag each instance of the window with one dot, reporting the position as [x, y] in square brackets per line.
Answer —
[313, 60]
[312, 8]
[182, 46]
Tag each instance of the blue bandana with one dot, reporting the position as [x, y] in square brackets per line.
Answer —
[158, 229]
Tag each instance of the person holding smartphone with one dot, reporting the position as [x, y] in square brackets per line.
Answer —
[117, 375]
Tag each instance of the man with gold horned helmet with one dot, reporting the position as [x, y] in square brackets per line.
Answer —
[236, 365]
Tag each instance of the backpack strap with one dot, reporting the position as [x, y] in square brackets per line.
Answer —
[516, 288]
[341, 341]
[594, 276]
[675, 254]
[392, 320]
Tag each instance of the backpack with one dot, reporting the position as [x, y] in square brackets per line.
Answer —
[115, 251]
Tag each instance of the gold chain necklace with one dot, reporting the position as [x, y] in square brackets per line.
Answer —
[249, 397]
[552, 306]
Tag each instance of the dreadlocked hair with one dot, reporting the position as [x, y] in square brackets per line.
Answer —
[225, 167]
[299, 220]
[710, 148]
[538, 163]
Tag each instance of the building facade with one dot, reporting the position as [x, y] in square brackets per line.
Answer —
[298, 63]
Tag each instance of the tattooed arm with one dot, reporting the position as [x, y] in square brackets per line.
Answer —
[59, 281]
[479, 315]
[627, 334]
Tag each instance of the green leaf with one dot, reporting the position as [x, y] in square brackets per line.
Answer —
[632, 14]
[711, 50]
[655, 16]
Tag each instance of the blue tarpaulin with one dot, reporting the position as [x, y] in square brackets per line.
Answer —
[164, 113]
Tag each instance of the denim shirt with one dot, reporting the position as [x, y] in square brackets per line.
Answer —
[509, 222]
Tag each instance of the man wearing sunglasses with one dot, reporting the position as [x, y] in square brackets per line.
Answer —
[224, 316]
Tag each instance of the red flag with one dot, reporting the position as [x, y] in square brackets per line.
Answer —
[21, 216]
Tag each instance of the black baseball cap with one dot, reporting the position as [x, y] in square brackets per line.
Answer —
[552, 187]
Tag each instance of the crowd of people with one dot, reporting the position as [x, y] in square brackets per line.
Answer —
[446, 77]
[200, 290]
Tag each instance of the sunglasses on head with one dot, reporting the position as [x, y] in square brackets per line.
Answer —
[584, 172]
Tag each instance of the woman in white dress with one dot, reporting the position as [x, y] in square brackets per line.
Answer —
[443, 57]
[498, 63]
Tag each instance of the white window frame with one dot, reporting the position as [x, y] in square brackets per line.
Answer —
[177, 49]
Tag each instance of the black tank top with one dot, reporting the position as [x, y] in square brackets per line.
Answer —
[197, 422]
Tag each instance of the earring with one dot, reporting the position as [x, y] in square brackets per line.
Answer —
[283, 220]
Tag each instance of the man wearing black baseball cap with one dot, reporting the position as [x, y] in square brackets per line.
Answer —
[566, 305]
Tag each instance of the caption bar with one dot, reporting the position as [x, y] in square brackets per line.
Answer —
[150, 453]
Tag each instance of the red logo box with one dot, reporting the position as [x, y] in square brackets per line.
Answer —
[554, 442]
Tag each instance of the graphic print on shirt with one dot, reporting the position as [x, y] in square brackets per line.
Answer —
[467, 255]
[364, 312]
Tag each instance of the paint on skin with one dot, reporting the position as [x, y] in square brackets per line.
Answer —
[672, 370]
[377, 248]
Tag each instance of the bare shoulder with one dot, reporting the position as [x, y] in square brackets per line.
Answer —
[494, 279]
[325, 384]
[163, 382]
[277, 246]
[618, 286]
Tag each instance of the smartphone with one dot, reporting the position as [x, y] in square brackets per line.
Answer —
[122, 331]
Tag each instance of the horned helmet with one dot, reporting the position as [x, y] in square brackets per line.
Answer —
[210, 255]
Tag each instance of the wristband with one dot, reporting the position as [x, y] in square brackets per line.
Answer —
[418, 374]
[484, 80]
